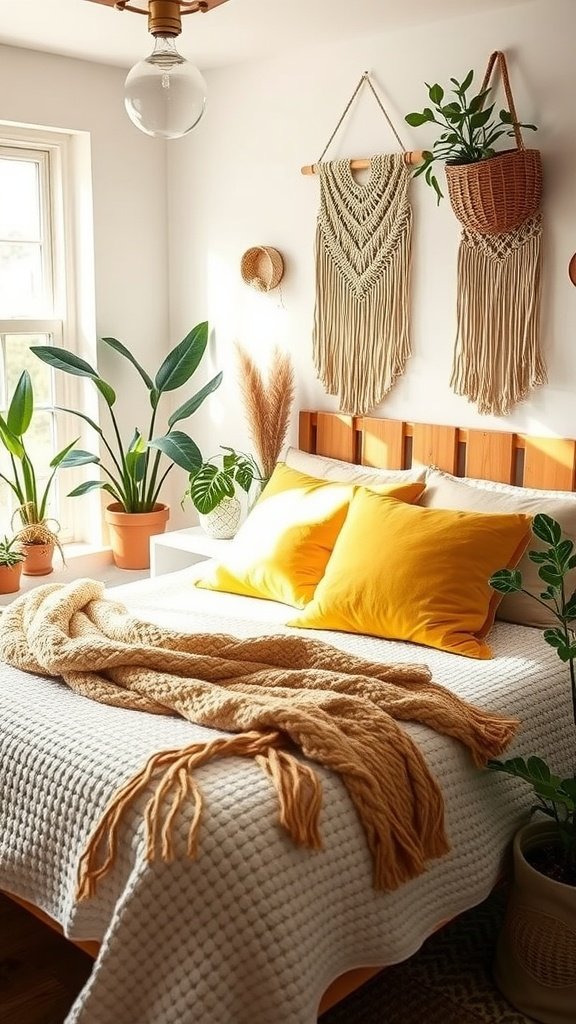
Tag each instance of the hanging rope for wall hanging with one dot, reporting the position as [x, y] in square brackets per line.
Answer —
[363, 238]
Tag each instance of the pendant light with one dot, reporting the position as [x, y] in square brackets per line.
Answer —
[164, 94]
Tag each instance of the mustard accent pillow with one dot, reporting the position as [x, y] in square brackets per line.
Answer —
[410, 573]
[283, 547]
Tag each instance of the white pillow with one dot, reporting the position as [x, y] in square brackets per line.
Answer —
[470, 495]
[348, 472]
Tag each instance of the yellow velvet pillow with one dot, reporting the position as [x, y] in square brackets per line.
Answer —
[410, 573]
[283, 547]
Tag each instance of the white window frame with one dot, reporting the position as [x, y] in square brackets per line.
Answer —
[62, 319]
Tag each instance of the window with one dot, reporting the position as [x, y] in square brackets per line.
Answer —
[35, 303]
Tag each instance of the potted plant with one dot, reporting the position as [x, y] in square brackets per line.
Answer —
[38, 533]
[11, 559]
[469, 131]
[135, 471]
[536, 960]
[212, 490]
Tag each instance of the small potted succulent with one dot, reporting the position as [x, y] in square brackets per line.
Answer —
[532, 969]
[212, 490]
[11, 559]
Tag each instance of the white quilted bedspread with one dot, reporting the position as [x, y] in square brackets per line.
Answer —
[255, 930]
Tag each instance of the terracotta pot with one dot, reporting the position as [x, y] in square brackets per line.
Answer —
[130, 534]
[38, 560]
[535, 964]
[10, 578]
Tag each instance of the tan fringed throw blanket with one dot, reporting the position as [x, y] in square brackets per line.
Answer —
[280, 696]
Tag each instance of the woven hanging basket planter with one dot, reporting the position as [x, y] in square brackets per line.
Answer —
[498, 194]
[262, 268]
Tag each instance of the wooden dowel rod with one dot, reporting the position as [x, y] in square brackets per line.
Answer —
[410, 157]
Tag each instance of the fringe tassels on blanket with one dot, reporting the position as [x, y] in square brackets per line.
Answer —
[363, 238]
[298, 788]
[497, 358]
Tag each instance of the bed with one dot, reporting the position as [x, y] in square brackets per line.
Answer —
[255, 929]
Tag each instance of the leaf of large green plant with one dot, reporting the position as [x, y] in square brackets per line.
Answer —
[194, 403]
[180, 448]
[93, 485]
[106, 390]
[22, 406]
[76, 457]
[546, 528]
[183, 360]
[123, 351]
[60, 359]
[10, 441]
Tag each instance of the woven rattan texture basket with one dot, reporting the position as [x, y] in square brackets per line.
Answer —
[498, 194]
[262, 267]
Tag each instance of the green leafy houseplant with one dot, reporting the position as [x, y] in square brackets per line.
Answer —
[211, 484]
[32, 500]
[135, 473]
[469, 130]
[556, 796]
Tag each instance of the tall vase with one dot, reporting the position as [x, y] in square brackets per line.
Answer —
[535, 964]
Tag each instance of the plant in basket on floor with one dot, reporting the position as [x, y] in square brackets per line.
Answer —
[536, 963]
[212, 490]
[134, 471]
[38, 533]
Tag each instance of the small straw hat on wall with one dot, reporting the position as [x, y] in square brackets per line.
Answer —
[262, 267]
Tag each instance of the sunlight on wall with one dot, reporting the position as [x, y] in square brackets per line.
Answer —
[256, 320]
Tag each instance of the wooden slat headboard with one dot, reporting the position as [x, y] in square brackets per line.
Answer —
[545, 462]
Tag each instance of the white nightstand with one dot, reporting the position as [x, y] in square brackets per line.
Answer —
[181, 548]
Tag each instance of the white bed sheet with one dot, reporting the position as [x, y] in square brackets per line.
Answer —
[255, 930]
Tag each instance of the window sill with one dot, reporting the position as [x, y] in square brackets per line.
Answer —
[82, 560]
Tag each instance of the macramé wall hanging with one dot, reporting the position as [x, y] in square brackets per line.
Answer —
[497, 358]
[361, 338]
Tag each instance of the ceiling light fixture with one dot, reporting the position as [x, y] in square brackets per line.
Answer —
[164, 94]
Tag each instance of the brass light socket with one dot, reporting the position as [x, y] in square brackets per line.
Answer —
[164, 18]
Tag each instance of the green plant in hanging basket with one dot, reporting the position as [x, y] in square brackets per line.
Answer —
[469, 129]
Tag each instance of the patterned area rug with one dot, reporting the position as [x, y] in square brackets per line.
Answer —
[448, 982]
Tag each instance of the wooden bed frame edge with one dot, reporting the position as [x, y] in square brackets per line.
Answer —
[548, 463]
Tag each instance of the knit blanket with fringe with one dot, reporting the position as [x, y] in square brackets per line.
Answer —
[280, 697]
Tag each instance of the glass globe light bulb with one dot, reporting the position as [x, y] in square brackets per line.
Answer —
[164, 94]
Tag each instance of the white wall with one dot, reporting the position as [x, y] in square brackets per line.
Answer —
[129, 198]
[235, 183]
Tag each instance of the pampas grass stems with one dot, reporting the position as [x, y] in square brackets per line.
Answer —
[267, 404]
